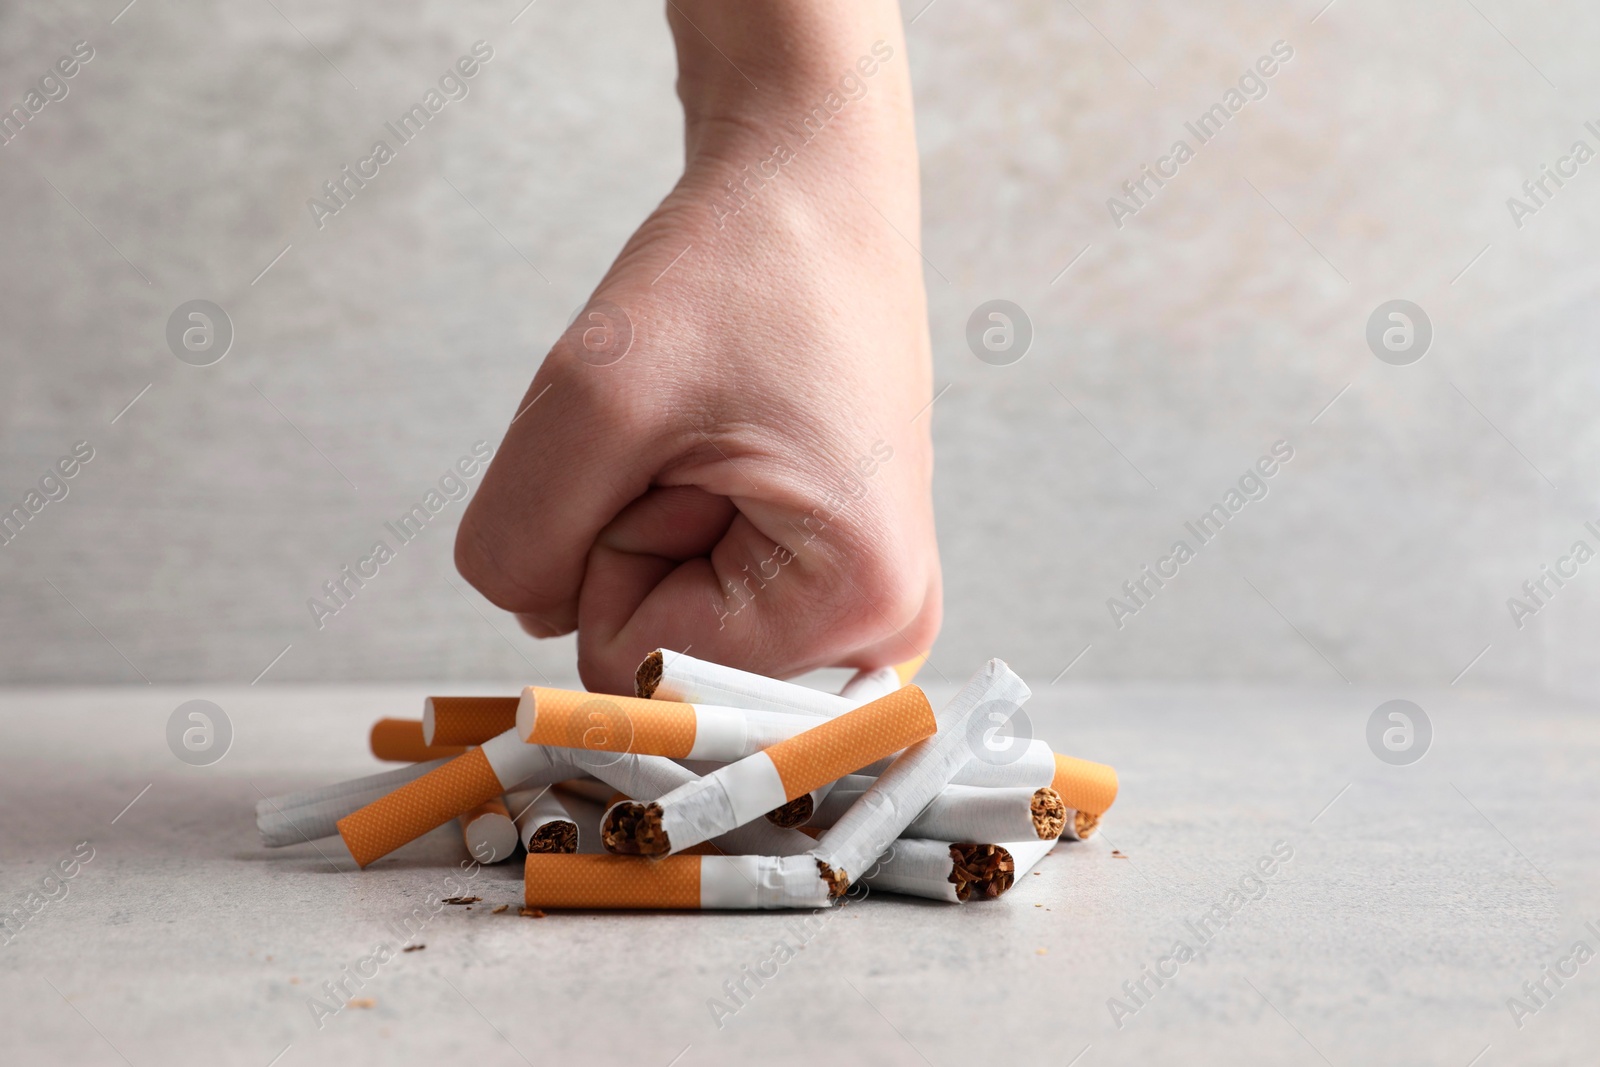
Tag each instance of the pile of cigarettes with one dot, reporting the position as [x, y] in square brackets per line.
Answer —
[720, 789]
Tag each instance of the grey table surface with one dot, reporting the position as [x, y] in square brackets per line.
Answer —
[1418, 901]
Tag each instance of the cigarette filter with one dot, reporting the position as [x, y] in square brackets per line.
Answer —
[458, 786]
[601, 723]
[400, 741]
[963, 812]
[310, 814]
[866, 685]
[746, 790]
[466, 720]
[490, 834]
[695, 882]
[942, 870]
[913, 780]
[1084, 786]
[542, 821]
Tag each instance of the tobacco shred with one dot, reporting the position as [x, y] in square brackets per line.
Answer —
[501, 908]
[987, 870]
[635, 830]
[558, 836]
[838, 881]
[797, 812]
[413, 948]
[530, 913]
[648, 676]
[1049, 814]
[461, 900]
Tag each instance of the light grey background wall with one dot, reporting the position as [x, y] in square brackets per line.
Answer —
[1227, 314]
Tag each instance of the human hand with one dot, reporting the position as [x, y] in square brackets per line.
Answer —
[750, 477]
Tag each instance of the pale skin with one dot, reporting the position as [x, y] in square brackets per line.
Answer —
[750, 482]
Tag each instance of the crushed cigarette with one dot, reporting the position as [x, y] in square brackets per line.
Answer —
[1049, 813]
[983, 869]
[554, 837]
[634, 830]
[797, 812]
[721, 790]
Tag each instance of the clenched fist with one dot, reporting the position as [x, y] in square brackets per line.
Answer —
[728, 451]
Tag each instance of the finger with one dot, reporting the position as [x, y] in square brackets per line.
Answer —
[576, 454]
[819, 598]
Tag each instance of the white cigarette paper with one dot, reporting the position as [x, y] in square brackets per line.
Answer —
[542, 821]
[963, 812]
[741, 792]
[712, 883]
[668, 675]
[648, 778]
[914, 779]
[942, 870]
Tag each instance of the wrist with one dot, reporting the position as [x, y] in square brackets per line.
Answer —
[757, 73]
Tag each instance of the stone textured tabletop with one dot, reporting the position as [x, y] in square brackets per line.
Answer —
[1415, 904]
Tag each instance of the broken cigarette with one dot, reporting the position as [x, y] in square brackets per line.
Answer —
[598, 723]
[913, 780]
[746, 790]
[866, 685]
[964, 812]
[943, 870]
[647, 778]
[401, 741]
[543, 822]
[490, 834]
[668, 675]
[694, 882]
[458, 786]
[466, 720]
